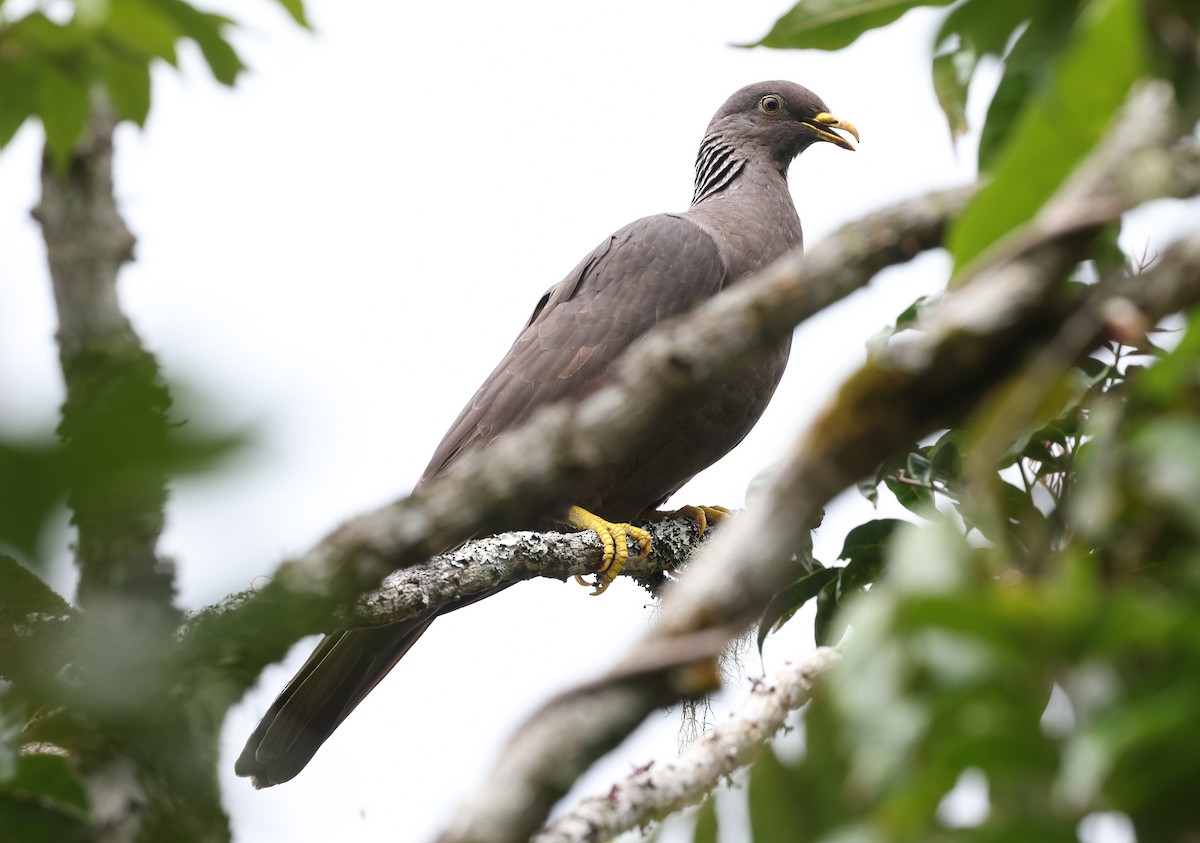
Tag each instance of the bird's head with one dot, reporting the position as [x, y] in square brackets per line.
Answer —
[781, 119]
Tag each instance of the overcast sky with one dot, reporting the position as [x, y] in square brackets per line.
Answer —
[339, 251]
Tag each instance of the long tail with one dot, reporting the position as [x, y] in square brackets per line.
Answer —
[337, 676]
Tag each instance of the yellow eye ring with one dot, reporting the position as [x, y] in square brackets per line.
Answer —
[770, 105]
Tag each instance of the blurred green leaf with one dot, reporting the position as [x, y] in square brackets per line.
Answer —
[64, 107]
[833, 24]
[706, 822]
[1090, 82]
[1177, 373]
[776, 814]
[1169, 449]
[914, 498]
[915, 310]
[295, 8]
[19, 100]
[143, 29]
[945, 457]
[129, 88]
[32, 487]
[36, 33]
[869, 489]
[989, 26]
[206, 29]
[919, 467]
[826, 632]
[26, 594]
[788, 601]
[952, 72]
[866, 543]
[42, 801]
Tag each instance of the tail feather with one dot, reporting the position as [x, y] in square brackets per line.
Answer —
[335, 678]
[343, 669]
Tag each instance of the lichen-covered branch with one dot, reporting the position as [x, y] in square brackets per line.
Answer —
[661, 788]
[483, 564]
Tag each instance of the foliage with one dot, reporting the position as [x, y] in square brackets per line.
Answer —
[120, 440]
[1037, 624]
[1067, 67]
[51, 69]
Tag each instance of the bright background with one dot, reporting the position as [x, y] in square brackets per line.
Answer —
[337, 253]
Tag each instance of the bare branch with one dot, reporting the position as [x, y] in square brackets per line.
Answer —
[659, 789]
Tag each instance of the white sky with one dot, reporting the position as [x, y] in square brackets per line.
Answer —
[399, 188]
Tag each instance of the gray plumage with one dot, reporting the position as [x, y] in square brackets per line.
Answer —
[741, 219]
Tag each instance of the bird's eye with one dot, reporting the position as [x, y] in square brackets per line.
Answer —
[770, 104]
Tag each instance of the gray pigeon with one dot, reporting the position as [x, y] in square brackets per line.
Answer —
[740, 220]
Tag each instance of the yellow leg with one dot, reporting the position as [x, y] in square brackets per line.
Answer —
[616, 549]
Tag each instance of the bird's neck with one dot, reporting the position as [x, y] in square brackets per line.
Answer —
[718, 164]
[744, 200]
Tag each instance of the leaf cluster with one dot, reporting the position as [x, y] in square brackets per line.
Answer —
[1034, 627]
[51, 68]
[1067, 66]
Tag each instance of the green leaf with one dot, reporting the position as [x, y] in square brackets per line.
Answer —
[916, 310]
[825, 633]
[706, 822]
[869, 540]
[64, 107]
[919, 467]
[865, 550]
[31, 490]
[206, 30]
[917, 499]
[129, 88]
[43, 801]
[1169, 448]
[1176, 374]
[788, 601]
[869, 489]
[945, 457]
[775, 813]
[26, 594]
[39, 34]
[18, 95]
[143, 29]
[833, 24]
[952, 72]
[1027, 69]
[295, 8]
[1090, 82]
[988, 26]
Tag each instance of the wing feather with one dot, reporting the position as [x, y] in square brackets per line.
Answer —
[649, 271]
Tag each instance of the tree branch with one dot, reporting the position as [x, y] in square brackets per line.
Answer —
[563, 445]
[483, 564]
[659, 789]
[114, 420]
[977, 336]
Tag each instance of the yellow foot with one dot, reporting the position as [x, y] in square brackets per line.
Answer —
[616, 549]
[702, 515]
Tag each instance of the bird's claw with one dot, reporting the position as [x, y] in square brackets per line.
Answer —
[614, 537]
[702, 515]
